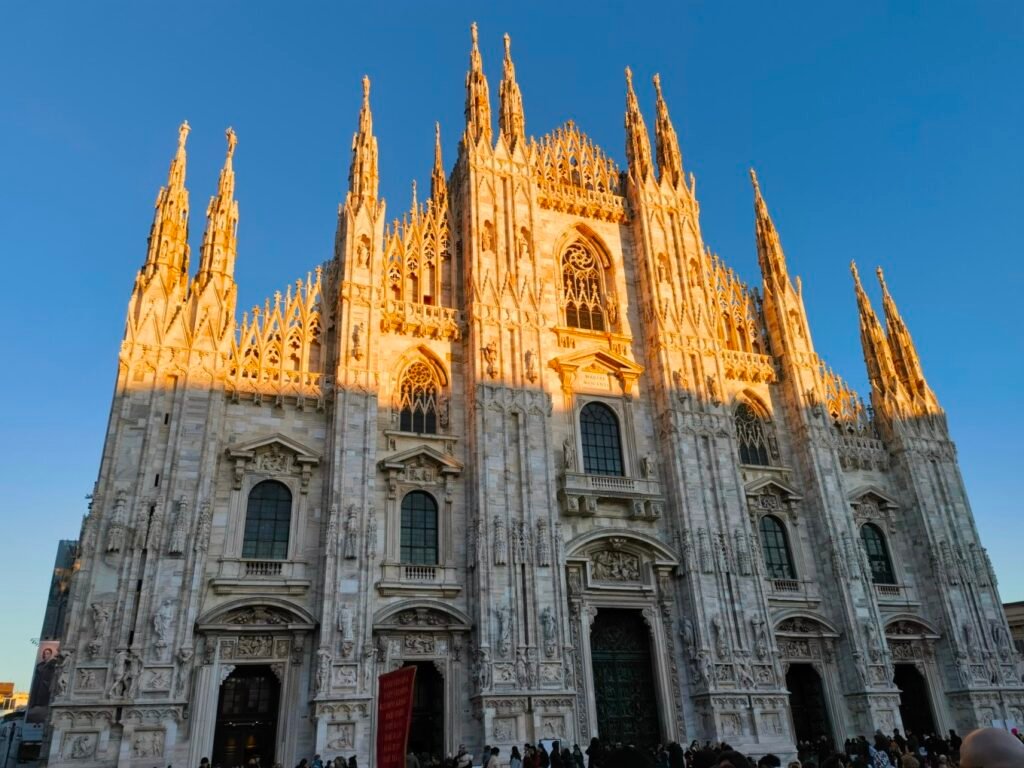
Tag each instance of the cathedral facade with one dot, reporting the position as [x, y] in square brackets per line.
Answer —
[537, 440]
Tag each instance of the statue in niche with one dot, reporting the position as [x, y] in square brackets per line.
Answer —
[490, 353]
[649, 467]
[345, 620]
[531, 365]
[718, 630]
[179, 533]
[569, 454]
[184, 670]
[357, 342]
[522, 670]
[500, 542]
[547, 624]
[63, 671]
[323, 670]
[504, 616]
[351, 534]
[162, 624]
[613, 310]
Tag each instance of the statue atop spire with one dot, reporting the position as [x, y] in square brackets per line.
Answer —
[885, 382]
[511, 120]
[362, 176]
[638, 142]
[904, 353]
[168, 236]
[670, 159]
[478, 100]
[438, 181]
[220, 238]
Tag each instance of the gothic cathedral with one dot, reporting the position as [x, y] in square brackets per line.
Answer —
[537, 440]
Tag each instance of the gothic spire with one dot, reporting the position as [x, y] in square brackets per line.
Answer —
[478, 100]
[670, 159]
[438, 182]
[362, 175]
[769, 247]
[904, 352]
[638, 142]
[168, 236]
[881, 370]
[219, 239]
[512, 121]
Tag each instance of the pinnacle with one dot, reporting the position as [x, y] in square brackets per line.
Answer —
[232, 141]
[183, 131]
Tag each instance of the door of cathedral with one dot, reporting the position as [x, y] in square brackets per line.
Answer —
[620, 648]
[915, 703]
[247, 717]
[426, 735]
[807, 703]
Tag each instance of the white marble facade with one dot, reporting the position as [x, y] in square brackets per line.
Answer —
[536, 281]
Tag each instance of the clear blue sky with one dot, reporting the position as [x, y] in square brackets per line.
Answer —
[886, 133]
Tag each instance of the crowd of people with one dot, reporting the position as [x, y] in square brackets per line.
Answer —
[983, 748]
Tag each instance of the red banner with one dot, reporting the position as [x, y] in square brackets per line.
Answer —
[394, 716]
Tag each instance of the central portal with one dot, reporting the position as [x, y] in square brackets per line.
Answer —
[426, 734]
[627, 709]
[247, 717]
[915, 703]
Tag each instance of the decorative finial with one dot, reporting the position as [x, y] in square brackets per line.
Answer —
[881, 277]
[437, 133]
[657, 84]
[508, 46]
[753, 180]
[853, 271]
[366, 90]
[183, 130]
[472, 32]
[414, 203]
[629, 78]
[232, 141]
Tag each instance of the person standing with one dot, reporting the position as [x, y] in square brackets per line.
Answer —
[515, 760]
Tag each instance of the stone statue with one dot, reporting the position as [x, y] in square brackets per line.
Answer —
[522, 670]
[345, 620]
[351, 534]
[118, 675]
[569, 454]
[323, 671]
[721, 644]
[184, 656]
[500, 542]
[547, 624]
[63, 671]
[162, 624]
[100, 620]
[504, 630]
[180, 531]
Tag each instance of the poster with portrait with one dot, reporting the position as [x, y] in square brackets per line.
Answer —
[42, 681]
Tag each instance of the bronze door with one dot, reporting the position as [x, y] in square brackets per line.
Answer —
[627, 707]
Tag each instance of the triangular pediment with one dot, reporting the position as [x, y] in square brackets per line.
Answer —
[881, 498]
[247, 449]
[769, 485]
[445, 464]
[597, 361]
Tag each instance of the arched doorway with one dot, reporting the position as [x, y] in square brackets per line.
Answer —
[426, 734]
[247, 717]
[627, 706]
[915, 702]
[807, 703]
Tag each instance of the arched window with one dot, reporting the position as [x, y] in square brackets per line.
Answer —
[583, 289]
[268, 520]
[419, 529]
[753, 437]
[878, 554]
[602, 445]
[418, 393]
[778, 560]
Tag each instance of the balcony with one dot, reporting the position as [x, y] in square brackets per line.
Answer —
[273, 577]
[896, 595]
[408, 578]
[793, 591]
[579, 493]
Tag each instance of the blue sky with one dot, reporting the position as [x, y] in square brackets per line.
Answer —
[889, 133]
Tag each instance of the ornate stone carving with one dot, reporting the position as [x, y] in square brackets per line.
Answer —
[255, 615]
[147, 744]
[612, 565]
[419, 642]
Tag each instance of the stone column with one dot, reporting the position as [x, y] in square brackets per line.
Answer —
[204, 713]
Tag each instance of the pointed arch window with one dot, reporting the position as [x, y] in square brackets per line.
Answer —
[418, 392]
[583, 288]
[602, 443]
[419, 529]
[753, 437]
[878, 554]
[268, 521]
[778, 560]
